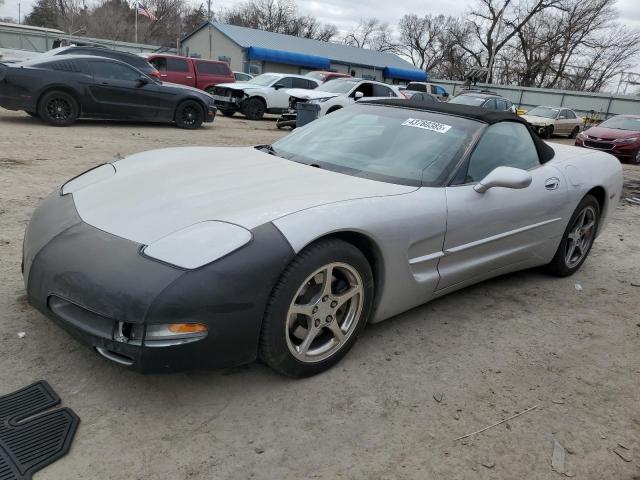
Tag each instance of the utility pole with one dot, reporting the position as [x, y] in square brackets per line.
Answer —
[19, 21]
[209, 10]
[136, 22]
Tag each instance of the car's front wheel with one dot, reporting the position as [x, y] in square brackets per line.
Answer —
[578, 238]
[547, 132]
[255, 109]
[58, 108]
[317, 309]
[189, 115]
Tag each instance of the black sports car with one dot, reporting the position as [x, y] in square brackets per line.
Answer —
[61, 89]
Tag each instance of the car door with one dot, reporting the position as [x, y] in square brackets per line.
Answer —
[503, 228]
[116, 91]
[279, 98]
[561, 122]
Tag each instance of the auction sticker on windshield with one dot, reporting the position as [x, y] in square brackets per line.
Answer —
[427, 125]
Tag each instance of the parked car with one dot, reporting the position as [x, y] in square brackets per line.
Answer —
[420, 96]
[61, 89]
[484, 99]
[200, 257]
[427, 87]
[192, 72]
[266, 93]
[130, 58]
[547, 121]
[324, 76]
[334, 95]
[619, 136]
[242, 77]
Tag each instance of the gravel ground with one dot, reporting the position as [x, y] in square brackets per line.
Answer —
[391, 409]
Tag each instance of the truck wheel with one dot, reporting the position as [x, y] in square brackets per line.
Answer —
[58, 108]
[189, 115]
[255, 109]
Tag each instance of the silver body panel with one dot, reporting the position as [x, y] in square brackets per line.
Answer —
[431, 240]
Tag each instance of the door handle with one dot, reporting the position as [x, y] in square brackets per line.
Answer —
[552, 183]
[163, 75]
[189, 78]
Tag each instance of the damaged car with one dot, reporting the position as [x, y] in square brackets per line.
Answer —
[547, 121]
[266, 93]
[200, 257]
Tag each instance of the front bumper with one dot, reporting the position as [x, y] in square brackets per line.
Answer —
[622, 152]
[89, 281]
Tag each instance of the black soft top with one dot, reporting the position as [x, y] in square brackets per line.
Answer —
[545, 152]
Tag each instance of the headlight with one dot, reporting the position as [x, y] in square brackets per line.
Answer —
[626, 141]
[199, 244]
[319, 100]
[582, 136]
[95, 175]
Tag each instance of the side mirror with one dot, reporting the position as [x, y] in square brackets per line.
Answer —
[358, 95]
[278, 86]
[143, 80]
[507, 177]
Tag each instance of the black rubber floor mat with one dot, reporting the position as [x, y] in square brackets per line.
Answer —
[28, 441]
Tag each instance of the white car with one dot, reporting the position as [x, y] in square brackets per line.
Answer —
[342, 92]
[266, 93]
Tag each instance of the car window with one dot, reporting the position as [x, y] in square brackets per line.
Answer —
[563, 114]
[286, 82]
[113, 71]
[571, 114]
[382, 91]
[366, 88]
[490, 104]
[501, 105]
[303, 83]
[467, 100]
[210, 68]
[504, 144]
[160, 63]
[177, 65]
[387, 144]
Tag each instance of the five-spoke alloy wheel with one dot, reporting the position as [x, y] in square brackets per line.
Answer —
[578, 238]
[317, 309]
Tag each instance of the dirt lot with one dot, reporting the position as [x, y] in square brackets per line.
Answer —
[486, 353]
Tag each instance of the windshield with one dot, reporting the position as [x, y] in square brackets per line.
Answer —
[545, 112]
[338, 85]
[623, 123]
[387, 144]
[264, 80]
[468, 100]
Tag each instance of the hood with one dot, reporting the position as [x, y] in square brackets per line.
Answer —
[535, 120]
[610, 133]
[155, 193]
[239, 85]
[186, 87]
[311, 94]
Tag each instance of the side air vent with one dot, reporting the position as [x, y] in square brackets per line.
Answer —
[65, 66]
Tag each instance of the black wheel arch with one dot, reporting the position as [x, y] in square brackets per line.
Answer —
[334, 109]
[199, 101]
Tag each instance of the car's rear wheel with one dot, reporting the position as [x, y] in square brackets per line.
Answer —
[574, 133]
[255, 109]
[58, 108]
[317, 309]
[578, 238]
[189, 115]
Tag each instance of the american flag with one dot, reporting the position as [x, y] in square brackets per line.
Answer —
[146, 13]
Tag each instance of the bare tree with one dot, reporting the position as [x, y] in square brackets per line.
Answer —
[372, 34]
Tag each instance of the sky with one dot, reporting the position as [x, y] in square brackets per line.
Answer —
[345, 13]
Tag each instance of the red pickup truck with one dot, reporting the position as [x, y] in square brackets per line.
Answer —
[193, 72]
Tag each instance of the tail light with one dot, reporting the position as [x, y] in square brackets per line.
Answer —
[154, 74]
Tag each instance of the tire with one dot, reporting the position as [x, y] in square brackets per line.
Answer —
[635, 160]
[303, 344]
[33, 114]
[189, 115]
[547, 132]
[58, 108]
[564, 264]
[574, 133]
[255, 109]
[228, 113]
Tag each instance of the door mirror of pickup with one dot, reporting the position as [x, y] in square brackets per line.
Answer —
[143, 80]
[507, 177]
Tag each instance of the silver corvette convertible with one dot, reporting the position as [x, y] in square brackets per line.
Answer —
[211, 257]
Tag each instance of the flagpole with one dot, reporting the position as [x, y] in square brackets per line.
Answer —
[136, 8]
